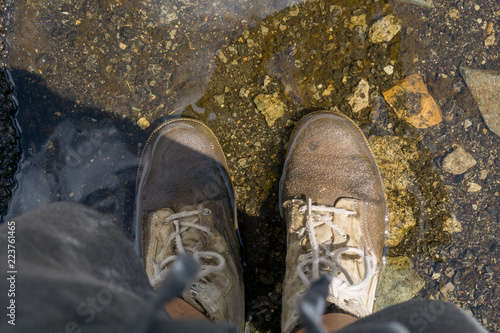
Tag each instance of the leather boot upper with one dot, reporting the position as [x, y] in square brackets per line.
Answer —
[185, 203]
[331, 180]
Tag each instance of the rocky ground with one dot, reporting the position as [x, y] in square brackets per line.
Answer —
[418, 77]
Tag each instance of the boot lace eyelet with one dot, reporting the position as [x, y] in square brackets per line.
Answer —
[206, 211]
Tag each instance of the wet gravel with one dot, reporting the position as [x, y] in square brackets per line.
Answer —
[130, 60]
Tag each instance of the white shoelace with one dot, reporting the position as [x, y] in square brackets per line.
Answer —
[339, 288]
[182, 223]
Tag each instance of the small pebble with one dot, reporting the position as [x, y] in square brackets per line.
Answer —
[242, 162]
[143, 123]
[389, 69]
[385, 29]
[221, 56]
[212, 116]
[489, 28]
[243, 93]
[219, 99]
[473, 187]
[447, 289]
[458, 162]
[490, 41]
[449, 272]
[454, 13]
[294, 11]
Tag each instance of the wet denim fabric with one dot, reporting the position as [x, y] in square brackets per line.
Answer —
[77, 273]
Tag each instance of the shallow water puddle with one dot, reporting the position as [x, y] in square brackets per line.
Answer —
[94, 78]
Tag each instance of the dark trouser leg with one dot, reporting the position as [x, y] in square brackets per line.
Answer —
[75, 273]
[417, 317]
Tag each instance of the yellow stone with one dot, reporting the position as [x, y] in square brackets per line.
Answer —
[412, 102]
[359, 20]
[271, 107]
[143, 123]
[328, 91]
[394, 156]
[454, 14]
[452, 226]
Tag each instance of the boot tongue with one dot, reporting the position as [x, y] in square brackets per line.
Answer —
[323, 234]
[159, 215]
[205, 295]
[349, 224]
[334, 239]
[354, 265]
[159, 233]
[191, 237]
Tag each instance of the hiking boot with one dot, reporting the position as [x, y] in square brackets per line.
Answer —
[332, 200]
[185, 204]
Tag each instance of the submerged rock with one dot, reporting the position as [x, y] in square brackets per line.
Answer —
[485, 87]
[425, 3]
[385, 29]
[452, 225]
[393, 155]
[490, 40]
[360, 99]
[358, 20]
[412, 102]
[143, 123]
[271, 107]
[458, 162]
[398, 283]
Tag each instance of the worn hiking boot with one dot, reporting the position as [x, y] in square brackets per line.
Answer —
[185, 204]
[333, 203]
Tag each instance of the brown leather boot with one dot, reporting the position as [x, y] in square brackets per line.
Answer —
[333, 203]
[185, 204]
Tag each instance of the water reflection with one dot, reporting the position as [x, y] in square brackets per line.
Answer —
[73, 153]
[134, 58]
[282, 66]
